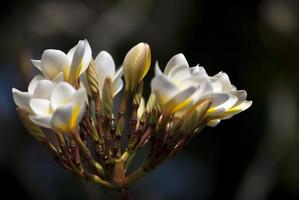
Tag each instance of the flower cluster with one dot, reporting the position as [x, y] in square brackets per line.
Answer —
[73, 99]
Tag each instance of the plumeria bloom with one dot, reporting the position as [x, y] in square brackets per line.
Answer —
[105, 68]
[38, 88]
[55, 63]
[180, 87]
[60, 107]
[221, 83]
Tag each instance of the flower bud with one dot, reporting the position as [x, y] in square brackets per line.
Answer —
[92, 79]
[136, 65]
[107, 99]
[33, 129]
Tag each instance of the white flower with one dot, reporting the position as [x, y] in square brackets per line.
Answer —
[55, 63]
[61, 109]
[221, 83]
[105, 68]
[38, 88]
[180, 87]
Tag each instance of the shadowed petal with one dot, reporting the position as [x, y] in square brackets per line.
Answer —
[37, 64]
[43, 89]
[33, 83]
[21, 99]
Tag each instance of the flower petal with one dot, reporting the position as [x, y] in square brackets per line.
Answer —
[213, 122]
[117, 86]
[21, 99]
[53, 62]
[105, 67]
[224, 80]
[79, 96]
[40, 107]
[61, 95]
[197, 69]
[163, 88]
[237, 109]
[178, 59]
[67, 117]
[58, 78]
[221, 103]
[179, 72]
[43, 121]
[141, 108]
[86, 58]
[217, 85]
[33, 83]
[43, 89]
[241, 95]
[81, 58]
[37, 64]
[118, 74]
[179, 101]
[117, 82]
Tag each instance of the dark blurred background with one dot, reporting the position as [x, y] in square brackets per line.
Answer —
[254, 155]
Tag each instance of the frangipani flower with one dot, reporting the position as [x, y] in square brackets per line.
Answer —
[180, 87]
[60, 109]
[55, 63]
[38, 88]
[105, 68]
[221, 83]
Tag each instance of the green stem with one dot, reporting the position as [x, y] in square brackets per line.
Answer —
[98, 180]
[87, 153]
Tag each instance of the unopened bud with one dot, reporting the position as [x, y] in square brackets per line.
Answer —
[136, 65]
[107, 98]
[92, 79]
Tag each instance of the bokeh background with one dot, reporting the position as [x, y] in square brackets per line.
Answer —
[253, 156]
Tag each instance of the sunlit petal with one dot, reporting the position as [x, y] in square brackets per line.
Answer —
[178, 59]
[53, 62]
[163, 88]
[105, 67]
